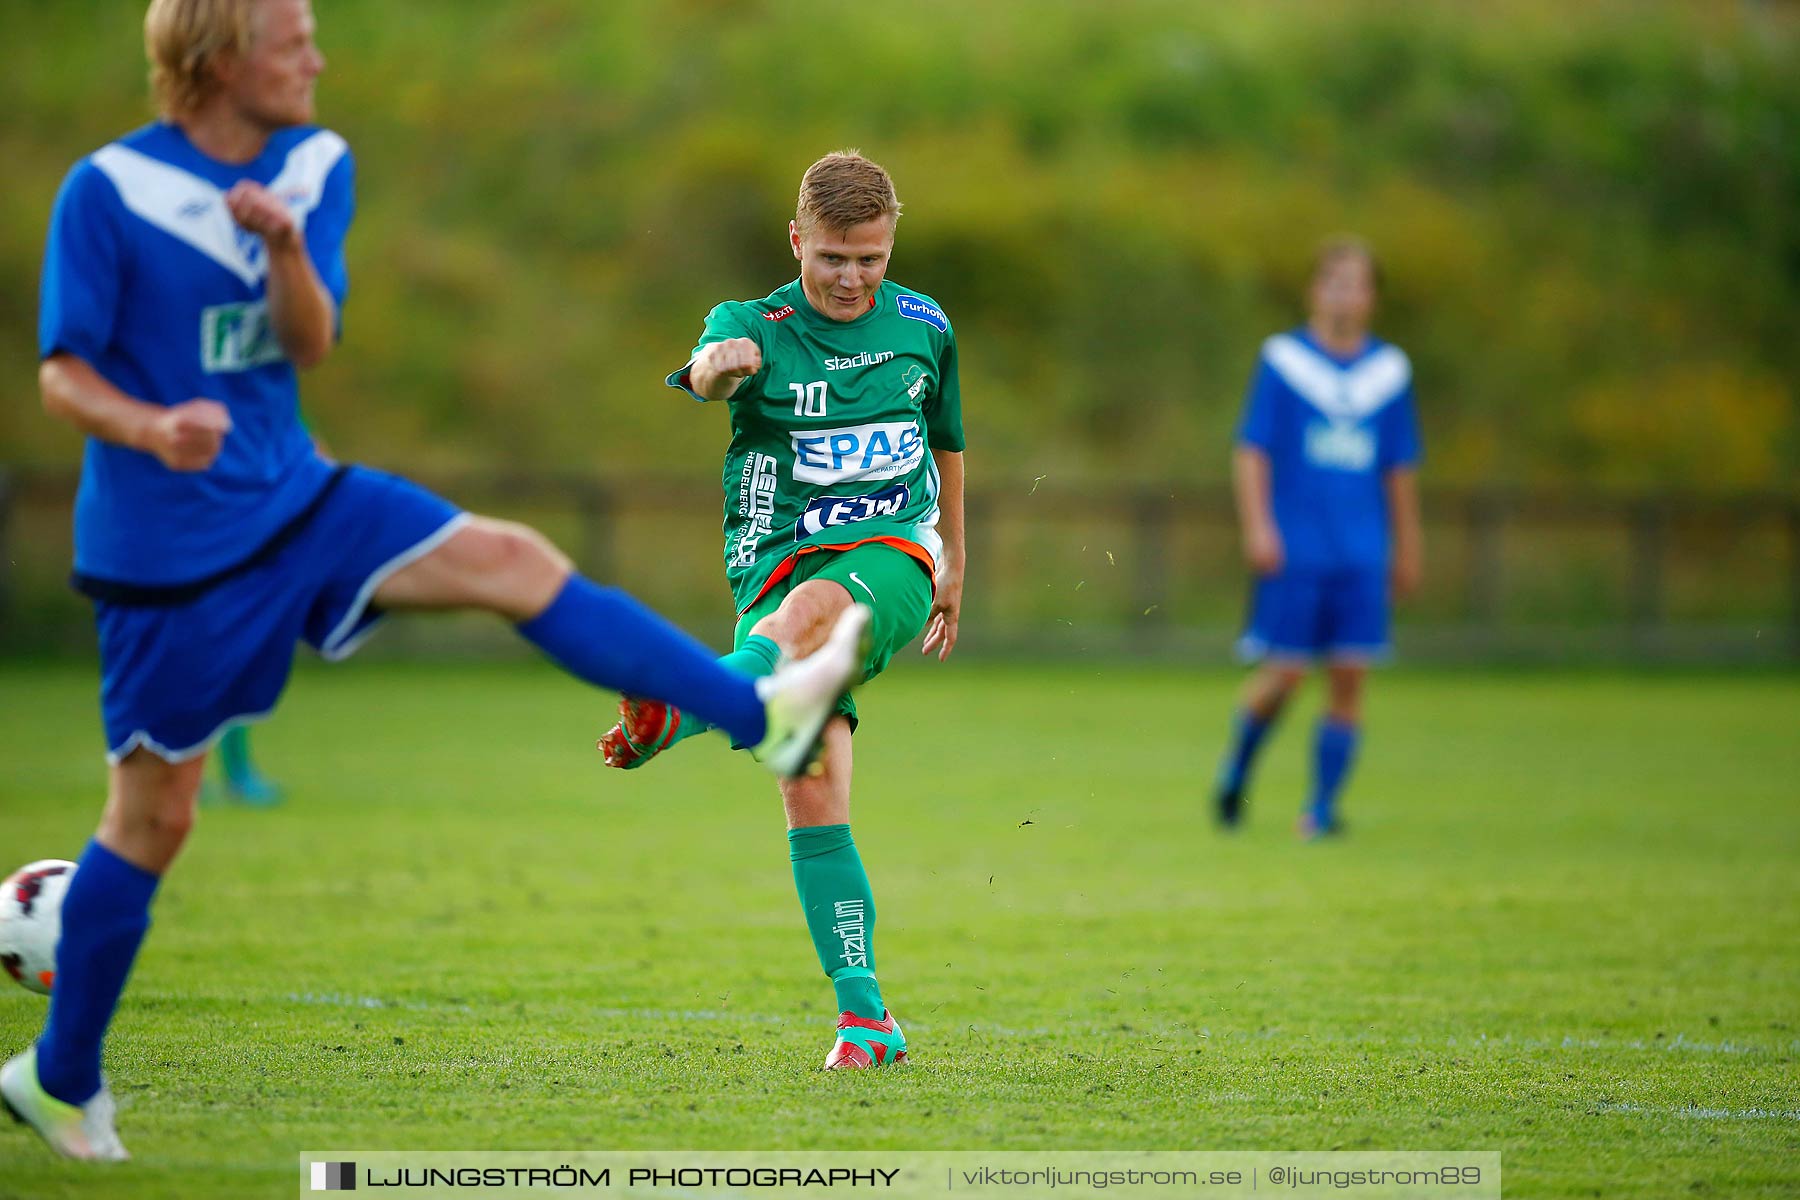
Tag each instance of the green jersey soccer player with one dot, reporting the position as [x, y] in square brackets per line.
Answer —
[843, 484]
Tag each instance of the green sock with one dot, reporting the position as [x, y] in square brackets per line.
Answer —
[756, 657]
[840, 913]
[234, 753]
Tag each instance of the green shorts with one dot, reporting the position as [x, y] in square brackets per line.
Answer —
[892, 583]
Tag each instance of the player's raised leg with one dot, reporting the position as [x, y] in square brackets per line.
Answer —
[648, 726]
[56, 1086]
[605, 637]
[836, 898]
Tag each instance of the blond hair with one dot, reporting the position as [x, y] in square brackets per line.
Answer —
[1346, 245]
[183, 40]
[843, 190]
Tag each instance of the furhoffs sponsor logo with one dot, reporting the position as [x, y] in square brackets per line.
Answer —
[920, 310]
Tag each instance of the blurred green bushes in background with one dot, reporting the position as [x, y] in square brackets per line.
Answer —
[1590, 216]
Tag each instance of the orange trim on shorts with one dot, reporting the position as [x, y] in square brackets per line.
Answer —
[913, 550]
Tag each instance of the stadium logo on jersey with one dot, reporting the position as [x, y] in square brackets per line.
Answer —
[237, 337]
[756, 505]
[880, 450]
[780, 314]
[828, 512]
[865, 359]
[1339, 446]
[919, 310]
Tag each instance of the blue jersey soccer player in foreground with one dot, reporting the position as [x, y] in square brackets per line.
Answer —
[1325, 476]
[193, 266]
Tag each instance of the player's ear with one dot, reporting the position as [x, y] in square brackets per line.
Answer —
[222, 70]
[794, 237]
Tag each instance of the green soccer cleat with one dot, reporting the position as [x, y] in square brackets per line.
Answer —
[74, 1131]
[801, 697]
[863, 1044]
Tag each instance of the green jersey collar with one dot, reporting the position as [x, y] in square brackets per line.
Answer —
[796, 296]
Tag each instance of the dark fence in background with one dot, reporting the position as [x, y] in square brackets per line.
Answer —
[1126, 570]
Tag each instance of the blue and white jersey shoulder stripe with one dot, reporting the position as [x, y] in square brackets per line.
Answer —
[192, 209]
[1342, 390]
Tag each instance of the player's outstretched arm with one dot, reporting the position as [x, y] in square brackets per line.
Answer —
[300, 309]
[1256, 515]
[946, 609]
[1402, 486]
[184, 437]
[721, 367]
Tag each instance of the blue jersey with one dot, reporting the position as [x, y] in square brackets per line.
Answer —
[1332, 427]
[149, 280]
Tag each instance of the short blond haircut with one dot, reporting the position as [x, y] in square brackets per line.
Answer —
[183, 40]
[843, 190]
[1346, 245]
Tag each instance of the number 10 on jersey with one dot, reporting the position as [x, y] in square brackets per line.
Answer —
[809, 399]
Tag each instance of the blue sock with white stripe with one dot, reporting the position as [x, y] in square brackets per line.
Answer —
[104, 918]
[605, 637]
[1247, 733]
[1334, 749]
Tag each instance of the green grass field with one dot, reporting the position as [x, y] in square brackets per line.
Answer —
[1565, 927]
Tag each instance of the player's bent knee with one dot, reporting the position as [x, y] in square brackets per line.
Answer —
[806, 617]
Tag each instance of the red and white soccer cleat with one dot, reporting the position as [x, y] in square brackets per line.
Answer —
[646, 728]
[863, 1044]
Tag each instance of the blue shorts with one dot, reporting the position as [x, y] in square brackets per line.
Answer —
[1338, 615]
[175, 675]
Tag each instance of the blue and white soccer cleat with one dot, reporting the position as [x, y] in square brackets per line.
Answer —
[82, 1131]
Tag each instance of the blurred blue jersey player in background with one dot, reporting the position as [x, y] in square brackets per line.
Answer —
[192, 268]
[1325, 479]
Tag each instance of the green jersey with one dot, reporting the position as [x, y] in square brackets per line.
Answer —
[830, 440]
